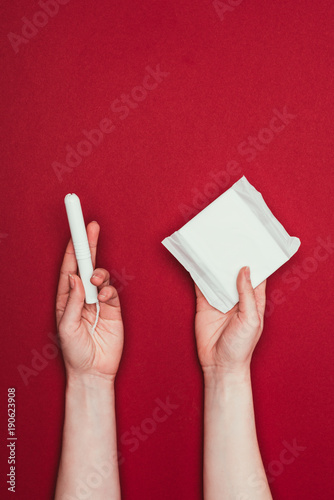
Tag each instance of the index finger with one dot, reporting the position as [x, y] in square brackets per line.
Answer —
[93, 231]
[69, 266]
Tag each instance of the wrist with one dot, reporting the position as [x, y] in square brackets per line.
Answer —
[222, 377]
[92, 395]
[89, 381]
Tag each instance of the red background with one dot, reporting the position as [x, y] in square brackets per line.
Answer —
[226, 76]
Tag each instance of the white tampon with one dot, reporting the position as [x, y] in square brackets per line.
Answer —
[81, 248]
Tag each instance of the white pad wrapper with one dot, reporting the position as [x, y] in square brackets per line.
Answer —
[235, 230]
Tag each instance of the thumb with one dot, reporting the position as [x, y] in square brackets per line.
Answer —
[75, 303]
[247, 302]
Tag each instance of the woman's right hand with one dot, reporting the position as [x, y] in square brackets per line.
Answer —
[226, 341]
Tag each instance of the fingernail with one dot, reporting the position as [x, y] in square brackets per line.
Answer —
[247, 273]
[71, 280]
[96, 276]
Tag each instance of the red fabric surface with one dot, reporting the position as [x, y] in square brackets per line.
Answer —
[227, 72]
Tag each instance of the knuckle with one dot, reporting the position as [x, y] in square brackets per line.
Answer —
[113, 291]
[104, 273]
[107, 290]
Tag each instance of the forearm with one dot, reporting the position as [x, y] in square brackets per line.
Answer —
[233, 466]
[89, 450]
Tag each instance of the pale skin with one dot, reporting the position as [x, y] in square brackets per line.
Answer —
[233, 467]
[89, 449]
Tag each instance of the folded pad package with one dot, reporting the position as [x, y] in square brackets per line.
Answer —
[235, 230]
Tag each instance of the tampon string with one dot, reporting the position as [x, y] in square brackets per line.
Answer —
[96, 318]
